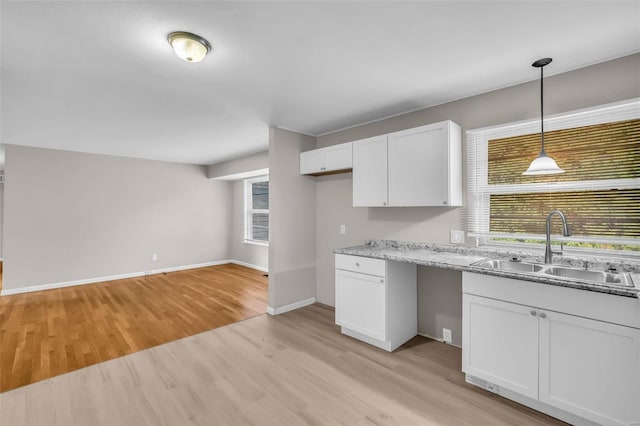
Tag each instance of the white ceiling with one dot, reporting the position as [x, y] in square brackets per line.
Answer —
[100, 77]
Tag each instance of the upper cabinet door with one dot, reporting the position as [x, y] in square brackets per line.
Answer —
[338, 157]
[311, 162]
[324, 161]
[418, 166]
[370, 172]
[415, 167]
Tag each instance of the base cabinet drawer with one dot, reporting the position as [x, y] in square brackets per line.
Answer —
[378, 305]
[364, 265]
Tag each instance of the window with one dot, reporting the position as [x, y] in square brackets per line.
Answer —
[257, 210]
[599, 149]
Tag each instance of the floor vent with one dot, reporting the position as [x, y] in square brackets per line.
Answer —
[482, 384]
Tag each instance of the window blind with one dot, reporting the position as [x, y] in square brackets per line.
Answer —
[600, 150]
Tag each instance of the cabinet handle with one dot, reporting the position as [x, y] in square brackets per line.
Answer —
[444, 202]
[381, 280]
[384, 203]
[543, 315]
[357, 264]
[534, 313]
[323, 168]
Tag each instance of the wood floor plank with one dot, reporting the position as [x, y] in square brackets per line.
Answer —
[47, 333]
[291, 369]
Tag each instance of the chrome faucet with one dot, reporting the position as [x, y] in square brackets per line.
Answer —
[548, 253]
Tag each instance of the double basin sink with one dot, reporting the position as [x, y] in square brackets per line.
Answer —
[612, 278]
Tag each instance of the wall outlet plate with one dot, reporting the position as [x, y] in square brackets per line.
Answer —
[456, 237]
[446, 335]
[343, 229]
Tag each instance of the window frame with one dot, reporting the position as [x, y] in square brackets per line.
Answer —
[479, 191]
[249, 211]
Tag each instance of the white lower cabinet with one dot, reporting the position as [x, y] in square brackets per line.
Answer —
[376, 300]
[500, 343]
[590, 368]
[586, 367]
[361, 303]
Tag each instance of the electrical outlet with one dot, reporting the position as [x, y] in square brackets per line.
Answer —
[343, 229]
[154, 257]
[446, 335]
[456, 237]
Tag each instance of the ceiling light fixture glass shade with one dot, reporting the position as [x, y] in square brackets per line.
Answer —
[543, 164]
[189, 47]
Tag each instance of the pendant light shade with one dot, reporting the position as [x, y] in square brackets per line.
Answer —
[189, 47]
[543, 164]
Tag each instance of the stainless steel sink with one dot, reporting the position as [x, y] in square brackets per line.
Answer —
[619, 279]
[509, 265]
[602, 277]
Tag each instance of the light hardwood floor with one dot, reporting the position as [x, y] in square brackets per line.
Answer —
[47, 333]
[292, 369]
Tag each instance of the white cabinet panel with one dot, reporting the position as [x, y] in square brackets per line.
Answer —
[590, 368]
[417, 167]
[361, 303]
[364, 265]
[332, 159]
[584, 367]
[311, 162]
[370, 172]
[500, 343]
[338, 157]
[378, 309]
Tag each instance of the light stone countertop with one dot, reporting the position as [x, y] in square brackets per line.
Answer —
[461, 258]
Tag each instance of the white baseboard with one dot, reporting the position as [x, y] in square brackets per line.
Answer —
[249, 265]
[10, 291]
[286, 308]
[438, 339]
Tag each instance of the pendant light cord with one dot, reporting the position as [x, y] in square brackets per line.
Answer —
[542, 151]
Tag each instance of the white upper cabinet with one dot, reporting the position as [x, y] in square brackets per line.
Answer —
[370, 161]
[329, 160]
[415, 167]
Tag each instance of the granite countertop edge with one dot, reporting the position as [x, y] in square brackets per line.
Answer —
[460, 258]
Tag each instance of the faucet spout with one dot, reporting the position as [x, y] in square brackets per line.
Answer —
[548, 253]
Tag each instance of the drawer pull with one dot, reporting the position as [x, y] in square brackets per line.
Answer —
[543, 315]
[381, 280]
[357, 264]
[534, 313]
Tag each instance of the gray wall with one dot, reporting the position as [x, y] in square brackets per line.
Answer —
[257, 161]
[599, 84]
[253, 254]
[292, 215]
[72, 216]
[1, 216]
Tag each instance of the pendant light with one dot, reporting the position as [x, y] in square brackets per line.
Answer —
[188, 46]
[543, 164]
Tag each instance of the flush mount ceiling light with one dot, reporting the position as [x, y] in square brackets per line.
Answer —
[189, 47]
[543, 164]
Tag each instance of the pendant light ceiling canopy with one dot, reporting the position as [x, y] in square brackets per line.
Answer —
[543, 164]
[188, 46]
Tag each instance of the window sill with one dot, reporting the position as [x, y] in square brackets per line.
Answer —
[256, 243]
[558, 239]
